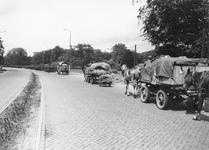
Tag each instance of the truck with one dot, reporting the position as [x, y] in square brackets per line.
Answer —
[63, 68]
[98, 72]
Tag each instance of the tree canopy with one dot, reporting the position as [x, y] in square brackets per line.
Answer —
[122, 55]
[78, 57]
[176, 27]
[1, 51]
[16, 56]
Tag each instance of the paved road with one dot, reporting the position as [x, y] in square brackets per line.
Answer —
[12, 83]
[81, 116]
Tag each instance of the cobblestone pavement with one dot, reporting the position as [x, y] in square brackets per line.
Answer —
[81, 116]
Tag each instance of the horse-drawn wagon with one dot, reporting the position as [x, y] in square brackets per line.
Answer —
[98, 72]
[163, 77]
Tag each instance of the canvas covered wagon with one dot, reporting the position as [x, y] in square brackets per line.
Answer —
[98, 72]
[163, 77]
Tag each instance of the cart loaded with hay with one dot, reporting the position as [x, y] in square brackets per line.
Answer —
[98, 72]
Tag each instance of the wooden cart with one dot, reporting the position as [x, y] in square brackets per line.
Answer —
[163, 78]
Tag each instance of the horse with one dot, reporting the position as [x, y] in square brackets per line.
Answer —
[200, 83]
[133, 76]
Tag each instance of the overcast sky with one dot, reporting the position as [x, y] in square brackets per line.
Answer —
[37, 25]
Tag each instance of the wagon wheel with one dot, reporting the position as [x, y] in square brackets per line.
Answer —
[145, 94]
[162, 99]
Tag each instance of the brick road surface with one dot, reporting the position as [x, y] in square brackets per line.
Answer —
[81, 116]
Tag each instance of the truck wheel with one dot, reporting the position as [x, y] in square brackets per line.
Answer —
[145, 94]
[88, 79]
[162, 99]
[92, 80]
[100, 83]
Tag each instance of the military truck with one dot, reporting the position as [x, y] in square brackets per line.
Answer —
[63, 68]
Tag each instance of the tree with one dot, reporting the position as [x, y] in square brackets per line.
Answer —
[37, 58]
[174, 26]
[118, 50]
[84, 55]
[47, 57]
[121, 55]
[128, 58]
[100, 56]
[144, 56]
[16, 56]
[56, 53]
[1, 51]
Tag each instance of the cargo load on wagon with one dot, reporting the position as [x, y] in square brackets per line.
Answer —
[163, 77]
[98, 72]
[167, 70]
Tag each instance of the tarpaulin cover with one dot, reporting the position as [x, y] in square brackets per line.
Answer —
[62, 62]
[100, 65]
[163, 66]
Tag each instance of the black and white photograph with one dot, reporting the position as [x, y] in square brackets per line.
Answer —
[104, 75]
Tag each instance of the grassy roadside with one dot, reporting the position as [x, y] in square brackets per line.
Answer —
[18, 122]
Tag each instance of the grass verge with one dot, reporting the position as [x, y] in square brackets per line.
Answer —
[18, 120]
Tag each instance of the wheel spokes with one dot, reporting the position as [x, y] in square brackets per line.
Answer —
[161, 99]
[144, 93]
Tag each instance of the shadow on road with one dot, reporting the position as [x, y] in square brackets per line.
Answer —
[204, 117]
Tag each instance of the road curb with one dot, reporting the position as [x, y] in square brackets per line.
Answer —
[41, 125]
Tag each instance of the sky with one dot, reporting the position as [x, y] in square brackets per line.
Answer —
[38, 25]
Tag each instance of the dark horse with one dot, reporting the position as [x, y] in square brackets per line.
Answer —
[133, 76]
[200, 83]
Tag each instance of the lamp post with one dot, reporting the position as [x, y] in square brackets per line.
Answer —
[70, 37]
